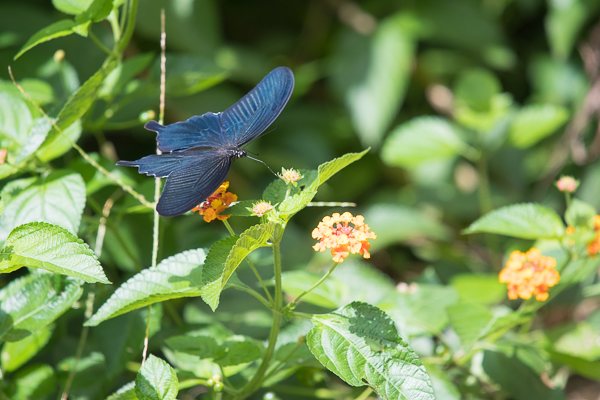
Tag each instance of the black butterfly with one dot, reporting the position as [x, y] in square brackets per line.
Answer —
[198, 152]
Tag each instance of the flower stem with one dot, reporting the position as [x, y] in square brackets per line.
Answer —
[258, 377]
[295, 302]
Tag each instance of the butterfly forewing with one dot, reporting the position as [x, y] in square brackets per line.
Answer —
[248, 118]
[199, 131]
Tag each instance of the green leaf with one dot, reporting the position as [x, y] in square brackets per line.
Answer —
[525, 221]
[175, 277]
[580, 214]
[219, 268]
[564, 22]
[395, 223]
[189, 74]
[61, 137]
[328, 295]
[96, 12]
[33, 382]
[583, 367]
[535, 122]
[199, 345]
[421, 140]
[476, 89]
[16, 354]
[58, 198]
[32, 302]
[156, 380]
[469, 321]
[503, 369]
[72, 7]
[64, 27]
[125, 392]
[373, 74]
[297, 202]
[483, 289]
[53, 248]
[360, 344]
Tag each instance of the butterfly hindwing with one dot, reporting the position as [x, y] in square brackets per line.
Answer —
[197, 177]
[250, 116]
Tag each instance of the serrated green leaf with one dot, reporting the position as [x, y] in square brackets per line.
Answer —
[64, 27]
[175, 277]
[156, 380]
[218, 269]
[360, 344]
[32, 302]
[61, 138]
[16, 354]
[297, 202]
[125, 392]
[372, 74]
[58, 198]
[525, 221]
[328, 295]
[421, 140]
[535, 122]
[53, 248]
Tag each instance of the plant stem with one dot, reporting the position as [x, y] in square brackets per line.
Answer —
[365, 394]
[258, 377]
[254, 294]
[295, 302]
[485, 197]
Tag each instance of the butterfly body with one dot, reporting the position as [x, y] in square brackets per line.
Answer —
[198, 152]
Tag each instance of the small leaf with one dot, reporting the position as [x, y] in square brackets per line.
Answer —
[476, 88]
[156, 380]
[535, 122]
[328, 295]
[53, 248]
[33, 382]
[16, 354]
[564, 22]
[34, 301]
[175, 277]
[72, 7]
[525, 221]
[64, 27]
[580, 214]
[96, 12]
[297, 202]
[421, 140]
[58, 198]
[61, 138]
[218, 272]
[360, 344]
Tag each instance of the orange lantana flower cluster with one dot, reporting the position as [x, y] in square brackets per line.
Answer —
[593, 247]
[344, 234]
[216, 203]
[529, 274]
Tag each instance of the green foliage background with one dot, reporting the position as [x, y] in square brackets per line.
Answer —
[467, 107]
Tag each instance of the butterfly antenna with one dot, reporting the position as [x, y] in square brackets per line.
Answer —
[262, 162]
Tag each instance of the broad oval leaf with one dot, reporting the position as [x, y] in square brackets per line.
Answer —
[58, 198]
[525, 221]
[156, 380]
[53, 248]
[360, 344]
[224, 258]
[175, 277]
[421, 140]
[32, 302]
[535, 122]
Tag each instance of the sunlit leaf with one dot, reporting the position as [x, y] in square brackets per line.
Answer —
[224, 258]
[483, 289]
[125, 392]
[360, 344]
[329, 294]
[421, 140]
[526, 221]
[535, 122]
[32, 302]
[175, 277]
[16, 354]
[469, 321]
[156, 380]
[53, 248]
[58, 198]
